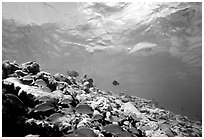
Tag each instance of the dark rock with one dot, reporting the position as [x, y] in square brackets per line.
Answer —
[8, 68]
[31, 67]
[60, 77]
[12, 110]
[88, 83]
[21, 73]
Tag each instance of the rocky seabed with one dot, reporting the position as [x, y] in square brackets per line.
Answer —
[38, 104]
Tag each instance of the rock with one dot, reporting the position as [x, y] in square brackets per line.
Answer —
[13, 113]
[159, 134]
[31, 67]
[30, 135]
[8, 87]
[61, 85]
[62, 78]
[126, 123]
[21, 73]
[27, 79]
[60, 104]
[8, 68]
[130, 108]
[119, 102]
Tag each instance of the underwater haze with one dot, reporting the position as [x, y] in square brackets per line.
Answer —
[154, 50]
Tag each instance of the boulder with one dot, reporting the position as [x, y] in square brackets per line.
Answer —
[62, 78]
[129, 108]
[8, 68]
[31, 67]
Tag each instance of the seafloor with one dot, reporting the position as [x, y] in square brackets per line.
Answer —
[36, 103]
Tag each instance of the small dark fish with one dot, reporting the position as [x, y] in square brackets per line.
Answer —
[145, 128]
[54, 117]
[66, 110]
[134, 130]
[72, 134]
[113, 128]
[166, 128]
[66, 101]
[182, 108]
[85, 132]
[115, 83]
[73, 73]
[27, 78]
[14, 99]
[83, 108]
[114, 118]
[44, 98]
[42, 107]
[97, 117]
[40, 83]
[125, 134]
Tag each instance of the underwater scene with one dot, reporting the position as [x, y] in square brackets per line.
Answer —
[100, 69]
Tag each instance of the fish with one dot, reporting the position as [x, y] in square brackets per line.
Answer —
[115, 83]
[27, 77]
[42, 107]
[66, 110]
[73, 73]
[66, 101]
[83, 108]
[97, 117]
[43, 98]
[113, 128]
[14, 99]
[54, 117]
[124, 134]
[166, 128]
[85, 132]
[40, 83]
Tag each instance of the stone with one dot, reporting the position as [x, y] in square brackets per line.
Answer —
[130, 108]
[31, 67]
[21, 73]
[62, 78]
[8, 68]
